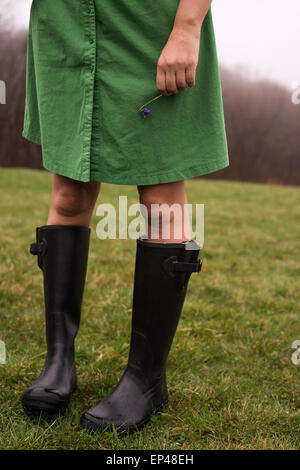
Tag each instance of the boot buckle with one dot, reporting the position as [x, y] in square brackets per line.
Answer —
[187, 267]
[172, 265]
[39, 249]
[36, 248]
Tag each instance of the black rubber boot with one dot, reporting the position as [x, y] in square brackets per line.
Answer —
[162, 272]
[62, 255]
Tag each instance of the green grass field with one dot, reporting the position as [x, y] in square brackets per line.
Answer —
[231, 381]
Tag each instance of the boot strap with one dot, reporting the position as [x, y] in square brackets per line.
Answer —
[36, 248]
[172, 265]
[39, 249]
[187, 267]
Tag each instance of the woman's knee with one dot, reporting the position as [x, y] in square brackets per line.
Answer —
[72, 198]
[163, 204]
[168, 194]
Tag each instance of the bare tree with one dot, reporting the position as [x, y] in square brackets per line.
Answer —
[263, 131]
[14, 149]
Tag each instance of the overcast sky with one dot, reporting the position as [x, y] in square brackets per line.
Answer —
[261, 35]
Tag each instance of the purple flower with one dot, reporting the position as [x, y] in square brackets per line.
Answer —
[145, 112]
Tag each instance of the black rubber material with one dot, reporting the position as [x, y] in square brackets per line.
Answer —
[92, 425]
[62, 255]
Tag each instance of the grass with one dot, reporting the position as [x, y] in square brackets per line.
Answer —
[231, 380]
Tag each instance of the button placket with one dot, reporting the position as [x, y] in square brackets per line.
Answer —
[90, 61]
[91, 34]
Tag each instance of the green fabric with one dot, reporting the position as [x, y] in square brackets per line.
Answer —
[90, 66]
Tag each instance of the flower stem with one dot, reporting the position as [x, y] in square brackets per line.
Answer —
[148, 102]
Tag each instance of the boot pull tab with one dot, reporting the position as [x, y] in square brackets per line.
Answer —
[173, 266]
[39, 249]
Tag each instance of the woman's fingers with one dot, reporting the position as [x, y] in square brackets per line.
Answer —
[161, 81]
[190, 75]
[166, 81]
[171, 81]
[181, 79]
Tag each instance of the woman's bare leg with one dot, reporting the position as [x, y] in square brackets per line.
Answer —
[164, 224]
[72, 201]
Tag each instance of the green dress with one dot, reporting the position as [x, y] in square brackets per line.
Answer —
[90, 66]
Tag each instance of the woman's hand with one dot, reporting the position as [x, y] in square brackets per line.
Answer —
[176, 67]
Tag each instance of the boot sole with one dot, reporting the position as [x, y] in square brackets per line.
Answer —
[92, 427]
[49, 404]
[37, 407]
